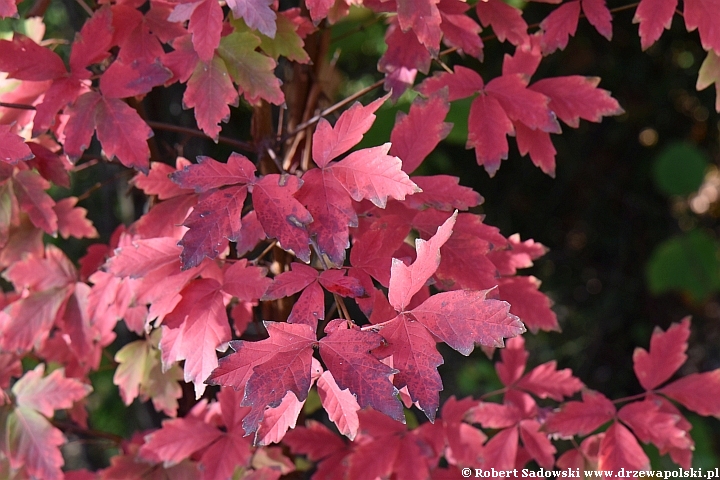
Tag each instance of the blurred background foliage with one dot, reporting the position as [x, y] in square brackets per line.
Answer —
[631, 219]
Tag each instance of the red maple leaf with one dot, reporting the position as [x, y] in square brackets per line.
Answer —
[581, 418]
[13, 148]
[369, 174]
[653, 16]
[559, 26]
[666, 355]
[32, 441]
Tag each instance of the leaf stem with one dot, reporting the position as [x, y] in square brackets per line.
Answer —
[68, 427]
[632, 397]
[19, 106]
[264, 252]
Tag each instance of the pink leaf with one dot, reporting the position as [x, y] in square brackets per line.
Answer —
[581, 418]
[209, 91]
[247, 283]
[506, 21]
[653, 16]
[215, 219]
[209, 173]
[341, 405]
[206, 27]
[463, 318]
[559, 26]
[178, 439]
[30, 189]
[281, 214]
[277, 420]
[13, 148]
[705, 16]
[576, 97]
[523, 104]
[72, 220]
[538, 144]
[537, 443]
[50, 393]
[699, 392]
[415, 356]
[123, 133]
[329, 142]
[619, 449]
[546, 381]
[599, 16]
[406, 281]
[194, 329]
[257, 14]
[666, 355]
[32, 442]
[488, 127]
[417, 134]
[373, 175]
[528, 303]
[346, 354]
[24, 59]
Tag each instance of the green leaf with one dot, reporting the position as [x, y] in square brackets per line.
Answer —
[687, 263]
[679, 169]
[286, 42]
[251, 70]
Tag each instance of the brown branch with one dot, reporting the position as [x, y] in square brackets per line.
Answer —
[239, 144]
[87, 432]
[85, 7]
[333, 108]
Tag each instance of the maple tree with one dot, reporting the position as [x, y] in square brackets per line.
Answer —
[301, 268]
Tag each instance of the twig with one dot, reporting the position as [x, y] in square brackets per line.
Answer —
[85, 7]
[264, 252]
[68, 427]
[239, 144]
[333, 108]
[632, 397]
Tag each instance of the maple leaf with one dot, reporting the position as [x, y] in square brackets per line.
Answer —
[24, 59]
[666, 355]
[31, 440]
[13, 148]
[619, 449]
[368, 174]
[710, 73]
[258, 15]
[194, 329]
[653, 16]
[506, 21]
[281, 215]
[8, 8]
[209, 91]
[250, 70]
[459, 30]
[423, 17]
[72, 220]
[576, 97]
[340, 404]
[703, 15]
[139, 373]
[537, 443]
[29, 188]
[599, 16]
[559, 26]
[652, 425]
[581, 418]
[206, 26]
[546, 381]
[417, 134]
[278, 420]
[528, 303]
[697, 392]
[330, 141]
